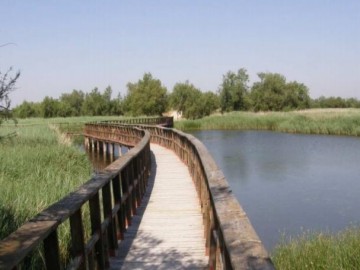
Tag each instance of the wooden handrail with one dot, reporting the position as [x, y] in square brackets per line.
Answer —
[231, 240]
[164, 121]
[120, 188]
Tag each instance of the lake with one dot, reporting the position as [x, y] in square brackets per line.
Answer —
[290, 183]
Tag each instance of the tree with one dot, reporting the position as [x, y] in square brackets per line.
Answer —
[7, 85]
[71, 103]
[211, 102]
[182, 96]
[352, 103]
[50, 107]
[117, 106]
[296, 96]
[273, 93]
[26, 109]
[146, 97]
[193, 104]
[233, 90]
[335, 102]
[268, 94]
[94, 103]
[75, 103]
[107, 100]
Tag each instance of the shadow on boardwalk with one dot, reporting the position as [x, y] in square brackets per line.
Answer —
[142, 249]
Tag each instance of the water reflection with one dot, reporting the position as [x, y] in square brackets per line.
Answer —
[100, 160]
[289, 182]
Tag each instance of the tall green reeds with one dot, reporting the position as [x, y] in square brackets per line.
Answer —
[329, 122]
[36, 170]
[320, 251]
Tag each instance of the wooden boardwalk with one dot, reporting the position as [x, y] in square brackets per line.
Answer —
[167, 231]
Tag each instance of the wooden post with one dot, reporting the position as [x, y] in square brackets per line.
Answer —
[98, 146]
[117, 200]
[111, 149]
[77, 238]
[125, 188]
[132, 184]
[104, 148]
[111, 229]
[92, 145]
[95, 217]
[51, 249]
[86, 143]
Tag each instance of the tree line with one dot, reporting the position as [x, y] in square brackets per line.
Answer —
[148, 96]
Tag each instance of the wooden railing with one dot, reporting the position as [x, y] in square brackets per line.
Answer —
[231, 241]
[164, 121]
[112, 198]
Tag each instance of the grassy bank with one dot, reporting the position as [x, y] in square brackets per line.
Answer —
[320, 251]
[36, 170]
[317, 121]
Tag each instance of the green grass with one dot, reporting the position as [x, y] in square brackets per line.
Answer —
[326, 121]
[320, 251]
[36, 170]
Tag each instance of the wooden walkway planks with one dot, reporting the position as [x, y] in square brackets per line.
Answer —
[167, 232]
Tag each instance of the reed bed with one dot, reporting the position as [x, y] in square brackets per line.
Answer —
[36, 170]
[319, 251]
[317, 121]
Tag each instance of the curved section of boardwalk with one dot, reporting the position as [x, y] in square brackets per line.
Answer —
[167, 231]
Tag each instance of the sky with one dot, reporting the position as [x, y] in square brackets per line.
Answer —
[63, 45]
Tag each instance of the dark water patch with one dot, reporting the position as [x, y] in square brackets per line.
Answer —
[99, 160]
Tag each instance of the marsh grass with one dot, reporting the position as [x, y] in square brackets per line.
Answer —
[325, 121]
[36, 171]
[320, 251]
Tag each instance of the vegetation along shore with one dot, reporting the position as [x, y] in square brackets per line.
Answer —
[314, 121]
[320, 251]
[38, 169]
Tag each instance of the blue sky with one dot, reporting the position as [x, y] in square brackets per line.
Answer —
[65, 45]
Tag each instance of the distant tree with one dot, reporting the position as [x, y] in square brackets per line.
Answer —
[273, 93]
[71, 103]
[117, 105]
[211, 102]
[193, 104]
[146, 97]
[352, 103]
[50, 107]
[107, 100]
[296, 96]
[268, 94]
[335, 102]
[25, 110]
[233, 91]
[7, 85]
[75, 103]
[94, 103]
[182, 96]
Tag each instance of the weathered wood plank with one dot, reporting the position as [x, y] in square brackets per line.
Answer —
[167, 232]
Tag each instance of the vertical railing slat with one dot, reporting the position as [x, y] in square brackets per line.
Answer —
[111, 230]
[77, 238]
[95, 218]
[51, 250]
[117, 200]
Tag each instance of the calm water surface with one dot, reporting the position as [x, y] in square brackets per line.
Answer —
[290, 183]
